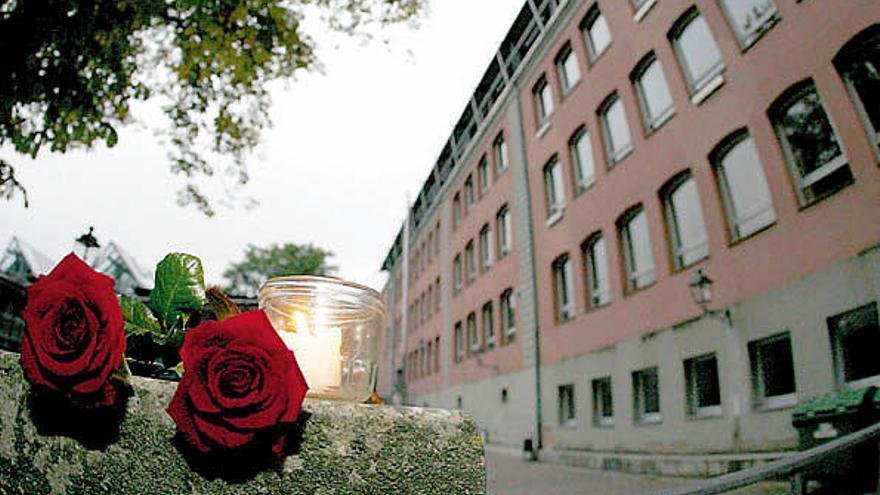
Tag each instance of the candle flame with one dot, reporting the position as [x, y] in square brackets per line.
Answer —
[300, 322]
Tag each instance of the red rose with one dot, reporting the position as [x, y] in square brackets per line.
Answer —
[75, 338]
[240, 383]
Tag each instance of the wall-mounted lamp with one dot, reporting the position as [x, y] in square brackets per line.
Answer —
[701, 290]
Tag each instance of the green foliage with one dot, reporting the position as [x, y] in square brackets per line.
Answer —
[155, 330]
[260, 264]
[139, 320]
[72, 69]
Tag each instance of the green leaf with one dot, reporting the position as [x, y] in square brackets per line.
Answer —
[180, 288]
[179, 369]
[139, 320]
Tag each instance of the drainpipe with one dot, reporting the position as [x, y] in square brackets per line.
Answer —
[531, 243]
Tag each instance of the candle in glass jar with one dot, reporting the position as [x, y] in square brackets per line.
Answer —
[317, 351]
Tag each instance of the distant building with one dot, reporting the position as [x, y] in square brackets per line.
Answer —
[21, 264]
[611, 149]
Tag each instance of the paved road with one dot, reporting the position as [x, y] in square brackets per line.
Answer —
[509, 475]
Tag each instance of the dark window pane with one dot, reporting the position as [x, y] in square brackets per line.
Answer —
[708, 388]
[857, 336]
[809, 133]
[778, 368]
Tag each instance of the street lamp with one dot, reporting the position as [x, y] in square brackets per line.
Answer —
[88, 241]
[701, 290]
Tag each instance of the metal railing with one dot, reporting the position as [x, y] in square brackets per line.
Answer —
[792, 467]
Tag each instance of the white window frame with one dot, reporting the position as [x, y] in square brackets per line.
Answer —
[457, 273]
[593, 15]
[499, 147]
[802, 182]
[567, 406]
[554, 190]
[582, 180]
[652, 122]
[483, 175]
[679, 250]
[488, 326]
[569, 75]
[508, 307]
[640, 415]
[469, 197]
[838, 351]
[694, 410]
[746, 40]
[846, 73]
[458, 334]
[456, 210]
[543, 96]
[633, 275]
[486, 247]
[599, 386]
[473, 337]
[702, 85]
[735, 219]
[563, 289]
[597, 296]
[761, 400]
[614, 156]
[504, 225]
[642, 8]
[470, 261]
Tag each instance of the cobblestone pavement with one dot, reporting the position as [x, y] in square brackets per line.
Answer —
[508, 475]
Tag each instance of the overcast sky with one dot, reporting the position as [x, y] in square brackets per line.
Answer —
[347, 147]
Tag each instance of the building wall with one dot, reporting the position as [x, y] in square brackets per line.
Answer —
[812, 262]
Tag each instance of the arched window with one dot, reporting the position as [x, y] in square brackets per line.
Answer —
[684, 220]
[635, 242]
[816, 160]
[858, 63]
[743, 186]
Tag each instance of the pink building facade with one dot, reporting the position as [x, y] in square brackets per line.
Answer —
[611, 151]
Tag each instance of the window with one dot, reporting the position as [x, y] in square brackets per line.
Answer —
[618, 142]
[597, 34]
[508, 315]
[817, 163]
[562, 293]
[642, 7]
[503, 226]
[543, 96]
[750, 18]
[470, 261]
[646, 396]
[636, 245]
[603, 402]
[554, 191]
[499, 148]
[459, 342]
[473, 337]
[859, 65]
[703, 388]
[772, 372]
[654, 97]
[698, 54]
[429, 369]
[596, 267]
[485, 248]
[567, 412]
[437, 354]
[567, 67]
[422, 356]
[468, 193]
[483, 175]
[684, 220]
[437, 295]
[743, 185]
[488, 326]
[437, 240]
[456, 210]
[581, 150]
[855, 338]
[456, 272]
[429, 301]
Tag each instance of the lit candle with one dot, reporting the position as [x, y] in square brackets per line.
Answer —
[317, 352]
[332, 327]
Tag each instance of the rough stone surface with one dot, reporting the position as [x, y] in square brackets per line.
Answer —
[344, 448]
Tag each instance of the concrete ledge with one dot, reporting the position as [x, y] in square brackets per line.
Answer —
[344, 448]
[677, 465]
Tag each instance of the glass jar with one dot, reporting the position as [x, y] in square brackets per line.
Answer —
[332, 327]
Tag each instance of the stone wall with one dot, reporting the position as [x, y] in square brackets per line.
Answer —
[343, 448]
